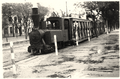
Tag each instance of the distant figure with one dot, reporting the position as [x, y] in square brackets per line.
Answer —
[20, 30]
[16, 26]
[57, 25]
[74, 29]
[20, 26]
[49, 25]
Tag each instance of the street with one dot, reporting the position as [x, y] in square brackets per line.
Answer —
[97, 58]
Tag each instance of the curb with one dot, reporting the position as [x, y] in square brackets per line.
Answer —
[17, 42]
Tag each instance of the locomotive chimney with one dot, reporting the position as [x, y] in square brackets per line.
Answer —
[35, 17]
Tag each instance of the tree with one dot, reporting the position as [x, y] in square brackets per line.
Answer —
[110, 13]
[22, 11]
[5, 14]
[26, 12]
[5, 19]
[19, 9]
[63, 13]
[42, 11]
[108, 10]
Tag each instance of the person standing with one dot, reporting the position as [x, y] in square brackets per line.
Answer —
[16, 26]
[20, 26]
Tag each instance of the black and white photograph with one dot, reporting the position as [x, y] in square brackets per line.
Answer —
[59, 39]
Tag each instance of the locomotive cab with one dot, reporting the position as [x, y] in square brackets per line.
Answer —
[56, 26]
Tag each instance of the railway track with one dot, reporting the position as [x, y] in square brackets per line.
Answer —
[41, 65]
[23, 55]
[20, 55]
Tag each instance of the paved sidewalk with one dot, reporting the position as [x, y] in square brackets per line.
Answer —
[15, 40]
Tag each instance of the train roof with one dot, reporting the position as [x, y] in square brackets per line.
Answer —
[74, 19]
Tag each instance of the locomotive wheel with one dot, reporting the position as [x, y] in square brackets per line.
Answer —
[48, 48]
[59, 45]
[63, 44]
[39, 51]
[29, 49]
[32, 51]
[72, 43]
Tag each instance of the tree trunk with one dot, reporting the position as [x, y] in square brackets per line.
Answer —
[13, 30]
[95, 29]
[6, 34]
[16, 30]
[20, 30]
[110, 26]
[26, 30]
[107, 26]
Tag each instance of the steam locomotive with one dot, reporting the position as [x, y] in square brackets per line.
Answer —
[67, 29]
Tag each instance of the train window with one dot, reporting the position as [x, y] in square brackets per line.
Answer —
[53, 24]
[66, 23]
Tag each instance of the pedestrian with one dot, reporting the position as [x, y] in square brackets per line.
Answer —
[20, 26]
[16, 26]
[20, 30]
[74, 29]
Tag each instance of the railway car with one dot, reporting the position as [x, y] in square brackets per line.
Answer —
[67, 29]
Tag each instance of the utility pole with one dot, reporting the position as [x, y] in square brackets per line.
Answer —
[66, 9]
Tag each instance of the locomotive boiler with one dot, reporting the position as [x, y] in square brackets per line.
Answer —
[36, 35]
[67, 29]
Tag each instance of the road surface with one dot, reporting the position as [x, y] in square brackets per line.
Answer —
[97, 58]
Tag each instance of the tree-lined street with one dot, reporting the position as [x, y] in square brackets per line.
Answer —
[97, 57]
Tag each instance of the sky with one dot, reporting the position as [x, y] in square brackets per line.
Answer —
[53, 5]
[56, 4]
